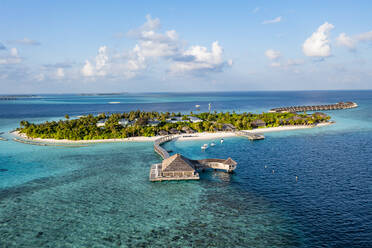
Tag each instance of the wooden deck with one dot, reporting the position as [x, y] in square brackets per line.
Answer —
[160, 150]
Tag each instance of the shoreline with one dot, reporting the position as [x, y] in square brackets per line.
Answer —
[182, 137]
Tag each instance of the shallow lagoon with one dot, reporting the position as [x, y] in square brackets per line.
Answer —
[100, 195]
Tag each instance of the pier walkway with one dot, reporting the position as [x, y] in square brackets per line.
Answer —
[340, 105]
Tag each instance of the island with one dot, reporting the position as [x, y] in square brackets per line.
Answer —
[138, 123]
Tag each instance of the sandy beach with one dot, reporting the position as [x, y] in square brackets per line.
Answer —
[181, 137]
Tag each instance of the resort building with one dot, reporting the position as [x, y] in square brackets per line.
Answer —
[320, 114]
[175, 119]
[153, 122]
[258, 123]
[194, 119]
[227, 127]
[101, 123]
[188, 130]
[125, 122]
[163, 132]
[177, 166]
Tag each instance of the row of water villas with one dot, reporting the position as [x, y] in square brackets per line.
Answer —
[340, 105]
[154, 122]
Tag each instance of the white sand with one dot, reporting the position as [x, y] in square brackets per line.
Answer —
[194, 136]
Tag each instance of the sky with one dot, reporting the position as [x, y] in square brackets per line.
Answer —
[184, 46]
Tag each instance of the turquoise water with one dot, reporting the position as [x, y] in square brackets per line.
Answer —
[100, 196]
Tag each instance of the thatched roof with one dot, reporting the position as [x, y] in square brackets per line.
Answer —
[188, 130]
[230, 161]
[177, 162]
[258, 122]
[174, 131]
[163, 132]
[320, 114]
[228, 127]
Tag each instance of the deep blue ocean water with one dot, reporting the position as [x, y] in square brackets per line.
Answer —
[100, 196]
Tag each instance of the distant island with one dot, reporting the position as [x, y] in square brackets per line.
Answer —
[150, 124]
[102, 94]
[15, 97]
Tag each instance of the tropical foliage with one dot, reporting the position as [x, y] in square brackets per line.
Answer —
[86, 128]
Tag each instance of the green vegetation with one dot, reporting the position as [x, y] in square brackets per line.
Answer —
[137, 123]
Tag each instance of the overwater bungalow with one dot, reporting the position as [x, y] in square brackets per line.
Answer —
[178, 166]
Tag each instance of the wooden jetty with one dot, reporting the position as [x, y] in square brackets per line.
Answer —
[160, 150]
[340, 105]
[178, 167]
[249, 135]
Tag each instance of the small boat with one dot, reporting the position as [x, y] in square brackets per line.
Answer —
[197, 106]
[205, 146]
[221, 141]
[114, 102]
[213, 144]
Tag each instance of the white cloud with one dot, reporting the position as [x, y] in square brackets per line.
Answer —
[39, 77]
[272, 54]
[101, 64]
[87, 69]
[275, 64]
[317, 45]
[198, 59]
[60, 73]
[255, 10]
[14, 52]
[11, 58]
[367, 36]
[294, 62]
[352, 42]
[344, 40]
[101, 61]
[26, 41]
[150, 23]
[155, 50]
[275, 20]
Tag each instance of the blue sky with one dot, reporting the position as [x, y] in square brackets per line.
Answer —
[146, 46]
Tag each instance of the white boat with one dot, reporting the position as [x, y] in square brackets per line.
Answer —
[114, 102]
[213, 144]
[221, 141]
[205, 146]
[197, 106]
